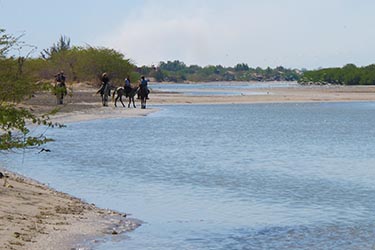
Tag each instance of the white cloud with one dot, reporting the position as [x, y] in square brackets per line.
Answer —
[261, 33]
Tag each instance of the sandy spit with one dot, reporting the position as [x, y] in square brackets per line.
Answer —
[34, 217]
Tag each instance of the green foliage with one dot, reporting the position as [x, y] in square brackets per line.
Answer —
[347, 75]
[158, 75]
[172, 66]
[15, 133]
[241, 67]
[18, 77]
[91, 62]
[81, 63]
[13, 121]
[6, 42]
[15, 86]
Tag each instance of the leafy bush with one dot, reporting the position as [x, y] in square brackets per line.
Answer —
[15, 86]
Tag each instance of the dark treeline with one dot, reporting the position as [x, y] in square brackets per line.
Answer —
[347, 75]
[177, 71]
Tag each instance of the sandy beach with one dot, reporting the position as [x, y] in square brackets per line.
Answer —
[34, 216]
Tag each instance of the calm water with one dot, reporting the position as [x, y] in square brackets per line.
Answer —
[260, 176]
[223, 88]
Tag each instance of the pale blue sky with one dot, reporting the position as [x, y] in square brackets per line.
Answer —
[292, 33]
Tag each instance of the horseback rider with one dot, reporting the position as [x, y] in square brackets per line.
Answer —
[105, 78]
[60, 78]
[60, 86]
[143, 85]
[105, 82]
[127, 86]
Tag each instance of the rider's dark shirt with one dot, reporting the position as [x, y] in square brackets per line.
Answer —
[60, 78]
[143, 83]
[105, 79]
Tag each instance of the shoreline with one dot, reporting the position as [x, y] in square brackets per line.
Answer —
[100, 113]
[84, 105]
[34, 216]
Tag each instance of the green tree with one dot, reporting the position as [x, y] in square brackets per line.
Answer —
[6, 42]
[158, 75]
[63, 44]
[92, 62]
[172, 66]
[241, 67]
[82, 63]
[14, 88]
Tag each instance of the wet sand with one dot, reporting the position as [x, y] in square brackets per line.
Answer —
[33, 216]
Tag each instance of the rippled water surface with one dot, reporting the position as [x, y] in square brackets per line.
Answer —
[260, 176]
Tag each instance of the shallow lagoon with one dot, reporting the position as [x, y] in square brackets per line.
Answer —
[257, 176]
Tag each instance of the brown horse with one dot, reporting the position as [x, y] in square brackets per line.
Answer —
[120, 92]
[143, 94]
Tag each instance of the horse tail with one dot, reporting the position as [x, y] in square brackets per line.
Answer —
[113, 94]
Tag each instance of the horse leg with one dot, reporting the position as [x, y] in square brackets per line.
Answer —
[116, 100]
[122, 101]
[105, 101]
[145, 100]
[133, 102]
